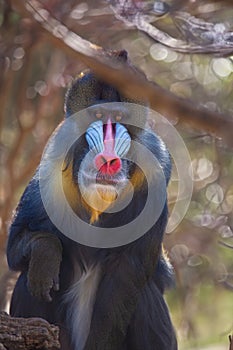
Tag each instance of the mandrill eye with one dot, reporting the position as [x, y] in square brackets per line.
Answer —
[118, 117]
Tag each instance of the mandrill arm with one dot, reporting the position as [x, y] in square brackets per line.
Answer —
[41, 254]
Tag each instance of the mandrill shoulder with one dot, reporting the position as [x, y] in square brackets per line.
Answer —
[30, 213]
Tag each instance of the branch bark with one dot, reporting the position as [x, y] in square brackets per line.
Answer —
[125, 78]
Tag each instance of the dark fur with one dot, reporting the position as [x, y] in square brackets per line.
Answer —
[129, 312]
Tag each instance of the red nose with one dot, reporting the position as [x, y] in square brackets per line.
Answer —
[108, 164]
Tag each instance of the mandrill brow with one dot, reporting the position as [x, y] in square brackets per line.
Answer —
[101, 298]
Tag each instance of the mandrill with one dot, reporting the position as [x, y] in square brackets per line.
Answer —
[103, 296]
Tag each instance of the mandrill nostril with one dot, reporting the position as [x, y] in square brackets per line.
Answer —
[112, 162]
[108, 164]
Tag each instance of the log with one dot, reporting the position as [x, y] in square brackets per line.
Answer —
[27, 333]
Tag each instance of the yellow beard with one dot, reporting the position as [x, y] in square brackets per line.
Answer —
[96, 198]
[99, 198]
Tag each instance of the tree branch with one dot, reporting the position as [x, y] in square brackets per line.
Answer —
[199, 36]
[125, 78]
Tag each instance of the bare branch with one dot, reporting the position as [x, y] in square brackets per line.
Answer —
[200, 36]
[224, 244]
[126, 79]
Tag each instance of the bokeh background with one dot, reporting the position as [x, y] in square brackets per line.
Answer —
[34, 75]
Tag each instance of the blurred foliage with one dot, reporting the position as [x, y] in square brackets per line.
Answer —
[33, 81]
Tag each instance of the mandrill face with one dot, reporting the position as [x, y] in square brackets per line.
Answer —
[102, 173]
